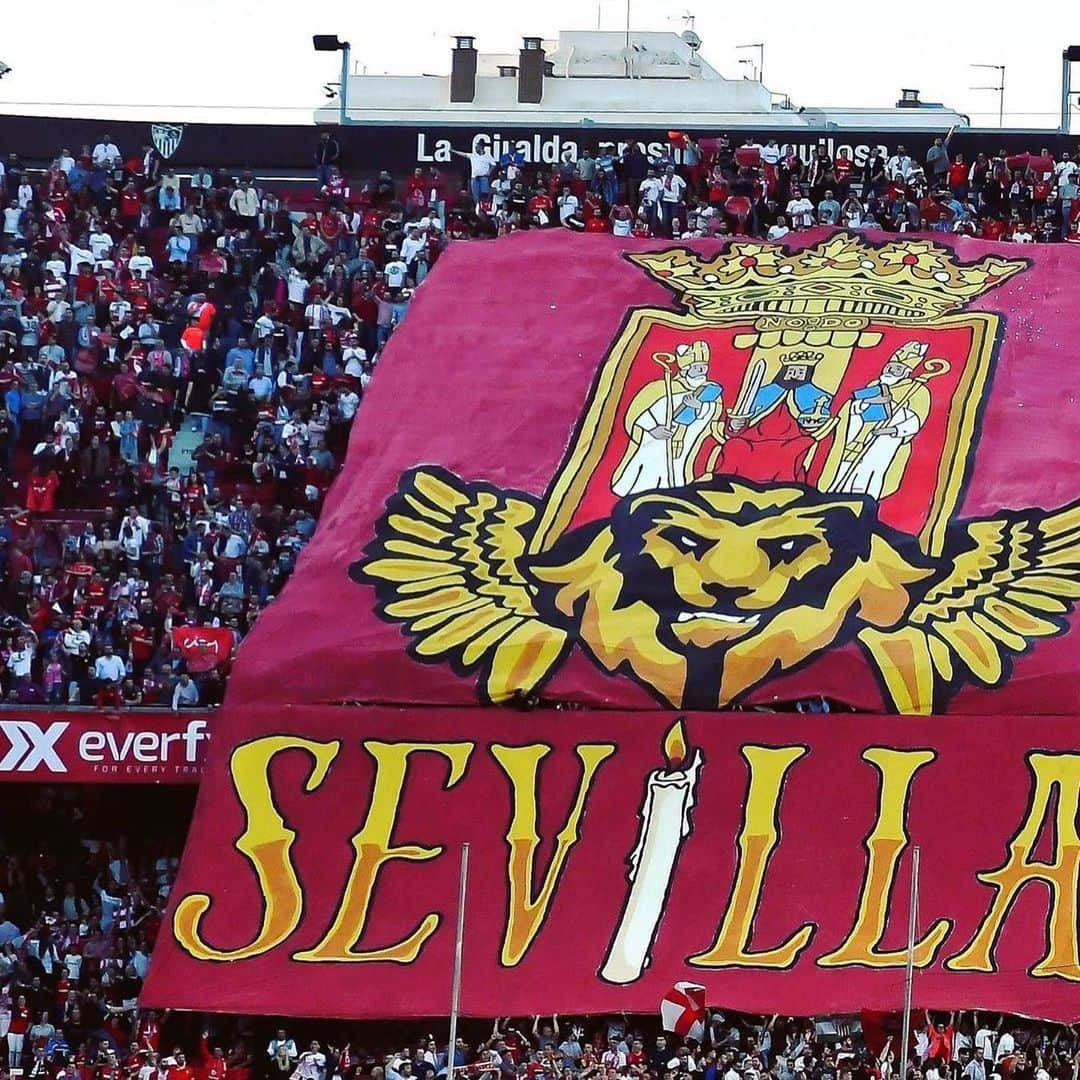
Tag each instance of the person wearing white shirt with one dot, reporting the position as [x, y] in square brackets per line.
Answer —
[298, 286]
[770, 153]
[140, 264]
[1066, 169]
[25, 196]
[109, 667]
[1022, 235]
[281, 1040]
[396, 272]
[984, 1041]
[244, 202]
[348, 403]
[801, 211]
[412, 245]
[480, 169]
[353, 358]
[568, 205]
[899, 166]
[101, 244]
[780, 229]
[649, 193]
[672, 187]
[12, 218]
[312, 1064]
[105, 153]
[317, 315]
[500, 192]
[1005, 1047]
[65, 161]
[20, 658]
[77, 256]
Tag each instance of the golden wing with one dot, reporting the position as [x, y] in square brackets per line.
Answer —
[1007, 583]
[445, 564]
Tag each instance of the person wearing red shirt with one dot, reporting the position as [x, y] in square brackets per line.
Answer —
[843, 167]
[20, 1025]
[214, 1065]
[540, 207]
[416, 191]
[331, 226]
[940, 1040]
[596, 222]
[993, 228]
[110, 1069]
[41, 496]
[86, 285]
[181, 1070]
[958, 177]
[149, 1036]
[718, 187]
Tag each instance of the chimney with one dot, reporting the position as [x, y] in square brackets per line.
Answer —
[463, 69]
[909, 99]
[531, 71]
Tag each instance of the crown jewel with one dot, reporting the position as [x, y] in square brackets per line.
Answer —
[907, 282]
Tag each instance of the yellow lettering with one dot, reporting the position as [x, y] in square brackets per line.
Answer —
[884, 846]
[266, 842]
[374, 848]
[1060, 772]
[758, 838]
[526, 912]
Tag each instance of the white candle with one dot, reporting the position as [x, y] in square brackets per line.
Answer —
[665, 824]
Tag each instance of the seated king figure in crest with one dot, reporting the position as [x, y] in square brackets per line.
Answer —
[667, 422]
[770, 436]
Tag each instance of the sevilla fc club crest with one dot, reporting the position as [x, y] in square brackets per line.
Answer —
[166, 138]
[767, 473]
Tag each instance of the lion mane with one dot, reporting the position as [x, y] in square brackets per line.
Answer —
[702, 592]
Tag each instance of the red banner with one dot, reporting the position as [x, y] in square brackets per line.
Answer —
[155, 746]
[203, 647]
[766, 857]
[682, 477]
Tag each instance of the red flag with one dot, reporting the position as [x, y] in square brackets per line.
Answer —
[682, 1010]
[203, 647]
[878, 1027]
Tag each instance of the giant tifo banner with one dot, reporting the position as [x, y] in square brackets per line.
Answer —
[638, 495]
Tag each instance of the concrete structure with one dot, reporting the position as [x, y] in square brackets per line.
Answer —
[602, 77]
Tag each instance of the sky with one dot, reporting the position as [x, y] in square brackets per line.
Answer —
[76, 59]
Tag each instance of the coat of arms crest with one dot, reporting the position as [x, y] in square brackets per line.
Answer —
[166, 138]
[770, 472]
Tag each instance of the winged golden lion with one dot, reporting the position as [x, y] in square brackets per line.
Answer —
[703, 592]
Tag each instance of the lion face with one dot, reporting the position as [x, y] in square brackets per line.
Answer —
[703, 591]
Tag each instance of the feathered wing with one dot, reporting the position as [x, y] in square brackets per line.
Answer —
[1008, 582]
[446, 564]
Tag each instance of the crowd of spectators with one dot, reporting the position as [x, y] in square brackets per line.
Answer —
[141, 308]
[180, 362]
[718, 186]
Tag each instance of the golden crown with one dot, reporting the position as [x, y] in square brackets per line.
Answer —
[902, 281]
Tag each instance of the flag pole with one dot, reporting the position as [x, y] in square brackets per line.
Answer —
[455, 988]
[909, 972]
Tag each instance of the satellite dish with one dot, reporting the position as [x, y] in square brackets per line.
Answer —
[691, 39]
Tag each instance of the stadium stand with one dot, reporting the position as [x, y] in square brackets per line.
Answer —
[181, 359]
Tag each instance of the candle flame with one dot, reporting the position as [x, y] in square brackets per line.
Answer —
[675, 744]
